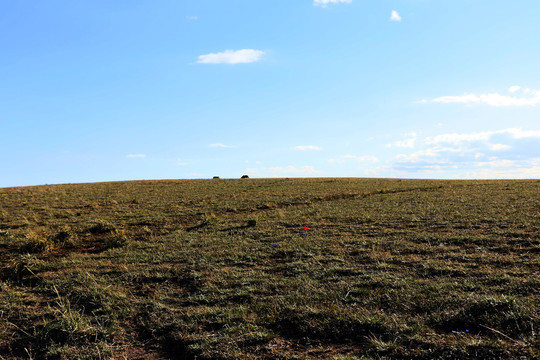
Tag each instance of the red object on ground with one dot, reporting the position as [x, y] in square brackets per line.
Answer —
[306, 228]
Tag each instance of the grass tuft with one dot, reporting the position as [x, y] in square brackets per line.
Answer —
[101, 227]
[117, 239]
[36, 243]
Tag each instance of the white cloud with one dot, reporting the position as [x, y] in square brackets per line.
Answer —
[417, 156]
[520, 133]
[136, 156]
[406, 143]
[484, 136]
[324, 3]
[495, 163]
[192, 18]
[532, 172]
[377, 171]
[307, 147]
[507, 153]
[514, 89]
[456, 139]
[498, 147]
[223, 146]
[243, 56]
[494, 99]
[395, 16]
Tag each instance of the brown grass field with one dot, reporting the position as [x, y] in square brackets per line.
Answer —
[225, 269]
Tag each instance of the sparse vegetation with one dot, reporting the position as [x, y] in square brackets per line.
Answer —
[271, 269]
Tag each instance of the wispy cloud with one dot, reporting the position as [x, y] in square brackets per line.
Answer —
[531, 172]
[307, 147]
[507, 153]
[243, 56]
[377, 171]
[499, 147]
[223, 146]
[457, 139]
[495, 163]
[192, 18]
[420, 156]
[405, 143]
[394, 16]
[136, 156]
[324, 3]
[517, 133]
[531, 98]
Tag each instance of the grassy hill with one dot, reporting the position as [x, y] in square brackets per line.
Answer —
[271, 269]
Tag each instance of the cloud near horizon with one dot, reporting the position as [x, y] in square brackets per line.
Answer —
[456, 139]
[243, 56]
[507, 153]
[531, 98]
[532, 172]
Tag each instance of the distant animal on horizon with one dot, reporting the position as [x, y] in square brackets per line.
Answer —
[245, 177]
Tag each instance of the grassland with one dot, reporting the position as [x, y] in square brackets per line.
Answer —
[225, 269]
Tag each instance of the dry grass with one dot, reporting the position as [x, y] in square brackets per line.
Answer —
[223, 269]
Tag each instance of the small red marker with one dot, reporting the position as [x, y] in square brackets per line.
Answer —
[306, 228]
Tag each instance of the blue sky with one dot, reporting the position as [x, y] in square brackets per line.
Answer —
[123, 90]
